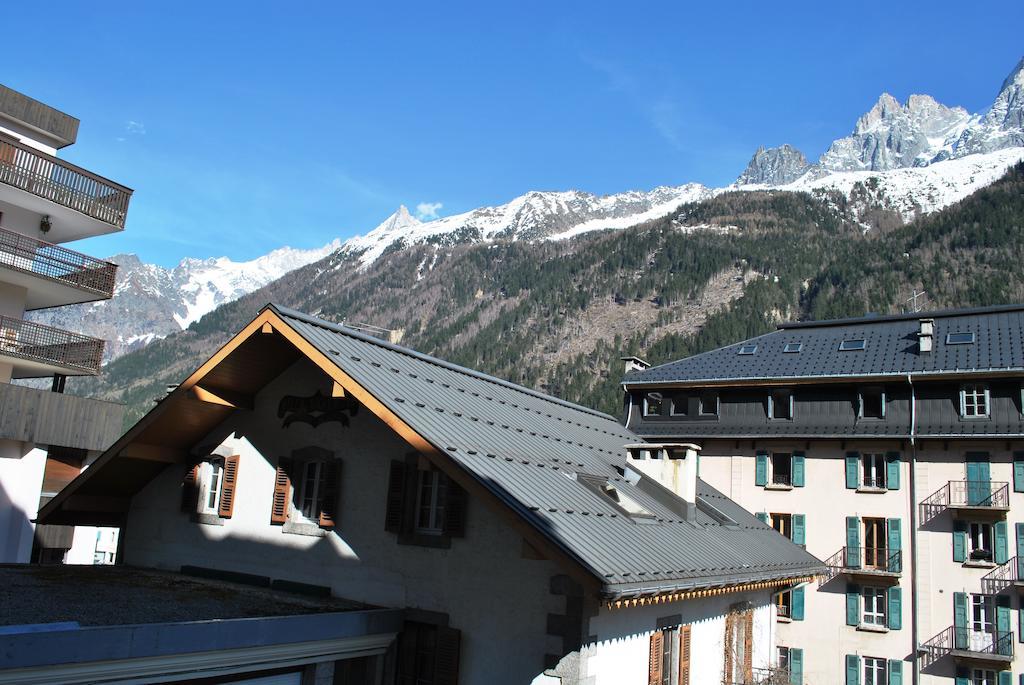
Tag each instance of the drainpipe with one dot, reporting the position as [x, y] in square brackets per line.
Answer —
[914, 629]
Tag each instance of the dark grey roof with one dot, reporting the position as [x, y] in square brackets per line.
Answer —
[891, 349]
[527, 448]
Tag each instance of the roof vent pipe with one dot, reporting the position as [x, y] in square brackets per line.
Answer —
[926, 336]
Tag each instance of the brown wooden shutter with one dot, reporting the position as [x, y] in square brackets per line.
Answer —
[684, 655]
[190, 490]
[455, 510]
[331, 488]
[654, 665]
[748, 644]
[730, 644]
[395, 514]
[282, 492]
[446, 658]
[227, 488]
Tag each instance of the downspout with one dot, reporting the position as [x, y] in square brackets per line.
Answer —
[629, 404]
[914, 629]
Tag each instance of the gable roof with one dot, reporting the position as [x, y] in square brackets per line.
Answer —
[532, 454]
[890, 350]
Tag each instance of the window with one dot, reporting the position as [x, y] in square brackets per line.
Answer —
[793, 348]
[875, 671]
[875, 543]
[853, 345]
[739, 636]
[653, 402]
[874, 606]
[981, 614]
[430, 498]
[747, 349]
[680, 405]
[669, 659]
[784, 605]
[306, 489]
[212, 475]
[427, 654]
[208, 489]
[872, 403]
[782, 468]
[780, 404]
[424, 507]
[311, 490]
[708, 404]
[873, 470]
[782, 660]
[980, 676]
[974, 401]
[960, 338]
[784, 524]
[980, 539]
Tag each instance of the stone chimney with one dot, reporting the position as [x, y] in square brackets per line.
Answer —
[673, 465]
[926, 336]
[634, 364]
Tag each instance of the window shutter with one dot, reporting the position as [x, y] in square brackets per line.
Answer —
[1019, 530]
[852, 669]
[190, 490]
[796, 666]
[963, 676]
[227, 490]
[852, 470]
[282, 492]
[959, 541]
[446, 656]
[331, 485]
[799, 529]
[895, 672]
[1003, 623]
[852, 542]
[455, 510]
[799, 470]
[1000, 542]
[748, 645]
[684, 655]
[895, 608]
[762, 516]
[761, 469]
[797, 606]
[654, 659]
[1005, 678]
[1018, 471]
[395, 515]
[894, 562]
[892, 470]
[960, 620]
[852, 604]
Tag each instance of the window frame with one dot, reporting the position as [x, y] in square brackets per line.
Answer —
[436, 507]
[861, 404]
[878, 599]
[959, 341]
[875, 670]
[792, 348]
[701, 405]
[879, 465]
[747, 349]
[647, 407]
[984, 530]
[782, 657]
[210, 469]
[853, 345]
[984, 394]
[315, 497]
[983, 676]
[772, 470]
[790, 403]
[785, 524]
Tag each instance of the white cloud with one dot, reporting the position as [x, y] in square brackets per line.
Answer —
[135, 128]
[426, 211]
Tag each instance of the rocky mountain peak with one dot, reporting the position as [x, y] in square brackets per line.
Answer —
[774, 166]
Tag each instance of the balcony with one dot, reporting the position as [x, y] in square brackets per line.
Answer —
[969, 647]
[67, 185]
[1010, 574]
[973, 499]
[876, 565]
[36, 350]
[762, 676]
[54, 276]
[42, 417]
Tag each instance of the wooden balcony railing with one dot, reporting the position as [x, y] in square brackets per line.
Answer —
[977, 494]
[18, 251]
[48, 345]
[66, 184]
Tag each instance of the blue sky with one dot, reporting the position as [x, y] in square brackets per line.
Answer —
[247, 126]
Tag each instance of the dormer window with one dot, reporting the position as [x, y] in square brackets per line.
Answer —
[708, 404]
[780, 404]
[793, 348]
[974, 401]
[966, 338]
[653, 403]
[853, 345]
[749, 348]
[871, 403]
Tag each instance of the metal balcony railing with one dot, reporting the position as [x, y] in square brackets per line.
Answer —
[988, 644]
[1002, 577]
[965, 493]
[782, 479]
[48, 345]
[18, 251]
[762, 676]
[66, 184]
[865, 560]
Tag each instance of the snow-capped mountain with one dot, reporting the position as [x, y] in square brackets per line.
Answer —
[774, 166]
[151, 302]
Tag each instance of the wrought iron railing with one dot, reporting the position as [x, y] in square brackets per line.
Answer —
[762, 676]
[66, 184]
[1002, 577]
[36, 342]
[965, 493]
[994, 643]
[867, 559]
[18, 251]
[781, 479]
[873, 482]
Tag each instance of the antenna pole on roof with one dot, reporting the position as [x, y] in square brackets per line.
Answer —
[915, 306]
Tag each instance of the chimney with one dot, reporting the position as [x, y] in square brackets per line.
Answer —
[634, 364]
[673, 465]
[926, 336]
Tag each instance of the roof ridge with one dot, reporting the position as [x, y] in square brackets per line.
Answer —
[907, 316]
[358, 335]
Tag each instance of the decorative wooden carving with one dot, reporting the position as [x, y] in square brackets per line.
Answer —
[316, 409]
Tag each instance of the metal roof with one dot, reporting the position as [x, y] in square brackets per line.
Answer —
[528, 448]
[890, 349]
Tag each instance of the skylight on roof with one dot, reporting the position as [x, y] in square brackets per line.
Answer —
[853, 345]
[793, 347]
[966, 338]
[747, 349]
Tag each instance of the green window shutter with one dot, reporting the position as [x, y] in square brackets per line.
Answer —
[799, 529]
[1003, 612]
[852, 604]
[1002, 551]
[1018, 471]
[852, 542]
[1005, 678]
[1020, 628]
[1018, 528]
[959, 541]
[761, 469]
[894, 562]
[963, 676]
[799, 476]
[852, 669]
[797, 606]
[796, 666]
[960, 620]
[892, 470]
[895, 672]
[895, 609]
[762, 516]
[852, 470]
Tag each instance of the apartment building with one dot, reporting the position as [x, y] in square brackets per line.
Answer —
[893, 448]
[46, 436]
